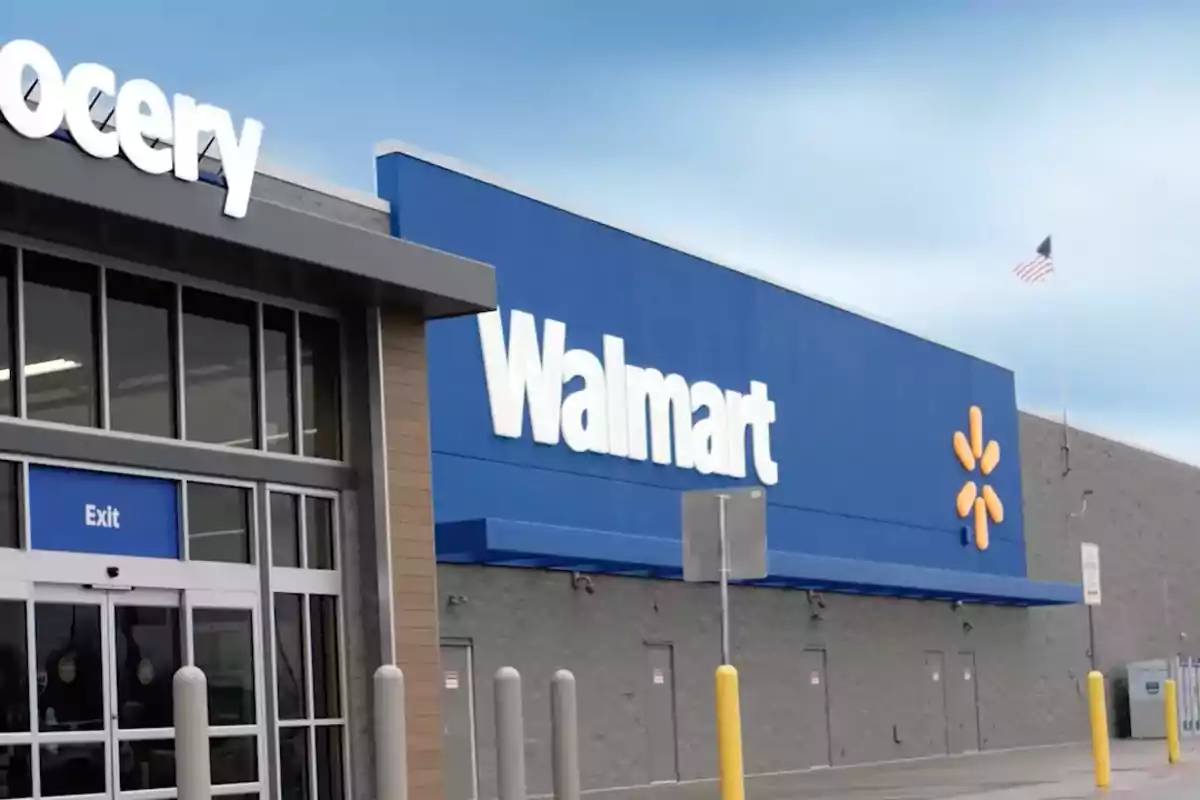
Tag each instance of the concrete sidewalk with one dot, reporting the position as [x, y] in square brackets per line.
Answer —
[1140, 772]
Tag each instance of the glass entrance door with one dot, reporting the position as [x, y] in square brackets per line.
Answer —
[103, 664]
[101, 669]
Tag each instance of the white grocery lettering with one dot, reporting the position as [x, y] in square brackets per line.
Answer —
[142, 112]
[620, 410]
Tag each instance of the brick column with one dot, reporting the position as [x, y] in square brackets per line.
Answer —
[414, 567]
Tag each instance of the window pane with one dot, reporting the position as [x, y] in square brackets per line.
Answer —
[8, 397]
[14, 668]
[141, 355]
[293, 764]
[318, 514]
[218, 353]
[73, 769]
[70, 668]
[147, 656]
[147, 764]
[326, 690]
[223, 645]
[234, 760]
[279, 366]
[320, 386]
[16, 772]
[330, 782]
[10, 527]
[60, 339]
[218, 523]
[289, 655]
[285, 530]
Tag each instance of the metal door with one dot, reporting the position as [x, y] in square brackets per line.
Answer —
[662, 743]
[963, 705]
[458, 722]
[935, 731]
[814, 745]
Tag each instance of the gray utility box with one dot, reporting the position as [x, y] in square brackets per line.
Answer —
[1147, 688]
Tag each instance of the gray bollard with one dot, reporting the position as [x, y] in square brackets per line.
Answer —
[564, 723]
[391, 747]
[510, 736]
[192, 769]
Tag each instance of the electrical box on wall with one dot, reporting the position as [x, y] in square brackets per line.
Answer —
[1147, 687]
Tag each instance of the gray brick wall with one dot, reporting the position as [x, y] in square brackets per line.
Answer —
[1030, 663]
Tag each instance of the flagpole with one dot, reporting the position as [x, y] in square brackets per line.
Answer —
[1056, 279]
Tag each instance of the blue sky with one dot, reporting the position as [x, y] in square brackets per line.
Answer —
[893, 157]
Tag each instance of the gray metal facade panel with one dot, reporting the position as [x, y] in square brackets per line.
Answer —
[88, 446]
[447, 283]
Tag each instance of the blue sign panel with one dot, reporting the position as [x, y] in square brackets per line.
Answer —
[619, 373]
[81, 511]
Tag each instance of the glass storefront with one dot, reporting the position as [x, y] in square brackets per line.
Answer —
[86, 664]
[111, 580]
[145, 354]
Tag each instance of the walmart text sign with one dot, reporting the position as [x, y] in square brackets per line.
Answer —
[619, 405]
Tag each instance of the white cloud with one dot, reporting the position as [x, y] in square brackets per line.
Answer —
[909, 191]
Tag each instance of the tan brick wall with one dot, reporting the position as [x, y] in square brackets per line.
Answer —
[414, 568]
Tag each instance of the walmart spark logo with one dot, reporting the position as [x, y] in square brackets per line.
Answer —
[984, 502]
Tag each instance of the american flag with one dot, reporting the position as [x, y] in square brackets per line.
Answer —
[1037, 268]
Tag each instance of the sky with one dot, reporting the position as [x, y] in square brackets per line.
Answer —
[894, 158]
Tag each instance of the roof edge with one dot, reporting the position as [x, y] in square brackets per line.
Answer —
[314, 184]
[452, 164]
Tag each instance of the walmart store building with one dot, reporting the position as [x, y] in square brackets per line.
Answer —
[923, 595]
[280, 430]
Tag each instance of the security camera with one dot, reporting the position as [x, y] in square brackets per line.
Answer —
[581, 581]
[113, 572]
[816, 598]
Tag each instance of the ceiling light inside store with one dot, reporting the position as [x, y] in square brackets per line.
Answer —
[43, 368]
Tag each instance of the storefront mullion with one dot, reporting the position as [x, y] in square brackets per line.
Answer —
[310, 745]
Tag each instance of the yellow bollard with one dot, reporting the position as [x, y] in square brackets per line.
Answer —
[729, 735]
[1171, 709]
[1098, 713]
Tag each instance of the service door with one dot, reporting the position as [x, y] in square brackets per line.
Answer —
[458, 722]
[814, 710]
[662, 742]
[934, 723]
[963, 705]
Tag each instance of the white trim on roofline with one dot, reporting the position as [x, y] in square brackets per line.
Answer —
[1056, 419]
[300, 179]
[455, 165]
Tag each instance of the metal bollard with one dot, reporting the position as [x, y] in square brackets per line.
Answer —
[729, 735]
[1171, 715]
[564, 723]
[193, 772]
[1098, 714]
[391, 747]
[510, 736]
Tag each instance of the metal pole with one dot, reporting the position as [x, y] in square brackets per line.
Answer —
[510, 736]
[1092, 636]
[564, 724]
[722, 546]
[391, 749]
[192, 769]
